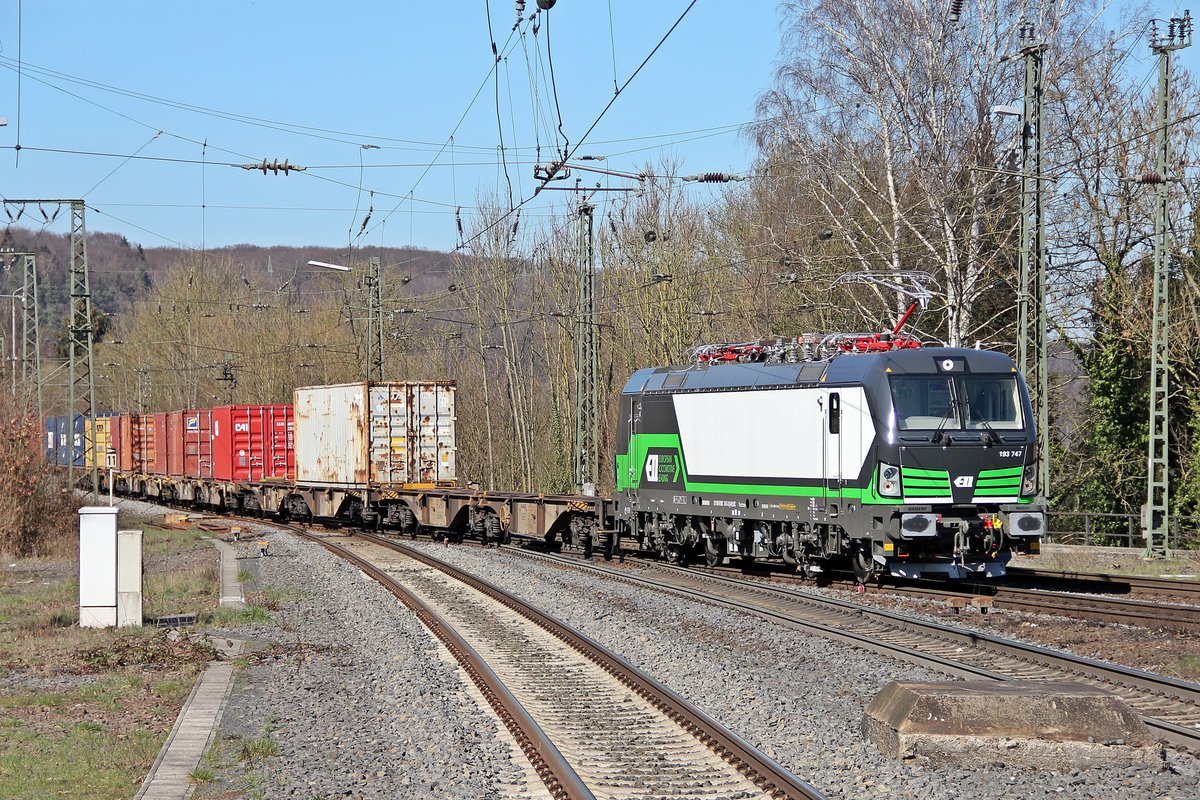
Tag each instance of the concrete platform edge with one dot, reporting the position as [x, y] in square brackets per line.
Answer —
[200, 714]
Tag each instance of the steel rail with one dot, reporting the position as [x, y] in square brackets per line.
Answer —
[1071, 604]
[1145, 688]
[1105, 582]
[755, 765]
[560, 778]
[1139, 613]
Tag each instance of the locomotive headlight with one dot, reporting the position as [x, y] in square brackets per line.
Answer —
[889, 480]
[1029, 480]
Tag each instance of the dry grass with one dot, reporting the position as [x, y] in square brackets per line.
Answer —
[36, 510]
[84, 712]
[1115, 560]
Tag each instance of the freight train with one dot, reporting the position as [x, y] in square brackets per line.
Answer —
[380, 455]
[892, 459]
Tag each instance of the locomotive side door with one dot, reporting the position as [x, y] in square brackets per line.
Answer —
[831, 480]
[635, 416]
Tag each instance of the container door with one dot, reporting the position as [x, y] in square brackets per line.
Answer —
[280, 434]
[78, 443]
[445, 446]
[51, 439]
[431, 426]
[197, 444]
[125, 448]
[105, 446]
[222, 443]
[387, 433]
[175, 444]
[247, 442]
[160, 442]
[61, 437]
[137, 440]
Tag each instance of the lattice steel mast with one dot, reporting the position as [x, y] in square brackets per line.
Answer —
[1031, 299]
[31, 338]
[374, 351]
[587, 399]
[1156, 513]
[82, 386]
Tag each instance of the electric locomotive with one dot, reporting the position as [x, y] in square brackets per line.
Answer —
[897, 459]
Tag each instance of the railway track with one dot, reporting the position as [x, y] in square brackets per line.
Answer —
[1169, 707]
[590, 723]
[1104, 583]
[1075, 604]
[1141, 613]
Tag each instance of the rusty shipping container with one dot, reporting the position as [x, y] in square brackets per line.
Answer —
[395, 433]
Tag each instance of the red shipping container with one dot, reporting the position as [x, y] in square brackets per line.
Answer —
[175, 444]
[150, 443]
[197, 443]
[252, 443]
[123, 440]
[189, 445]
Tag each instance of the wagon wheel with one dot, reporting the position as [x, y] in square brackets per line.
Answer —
[606, 545]
[492, 530]
[714, 552]
[676, 554]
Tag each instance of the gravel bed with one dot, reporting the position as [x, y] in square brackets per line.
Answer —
[359, 703]
[354, 694]
[799, 698]
[1163, 652]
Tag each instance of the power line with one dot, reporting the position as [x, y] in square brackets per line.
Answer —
[600, 116]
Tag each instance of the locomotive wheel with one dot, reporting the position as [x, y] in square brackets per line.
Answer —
[714, 553]
[862, 565]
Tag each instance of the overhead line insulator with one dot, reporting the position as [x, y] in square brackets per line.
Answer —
[274, 166]
[713, 177]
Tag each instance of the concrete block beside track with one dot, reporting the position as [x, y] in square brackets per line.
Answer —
[1030, 723]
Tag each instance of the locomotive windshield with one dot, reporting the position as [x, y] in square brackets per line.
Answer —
[956, 402]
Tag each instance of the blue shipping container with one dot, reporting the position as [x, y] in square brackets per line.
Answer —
[65, 444]
[51, 439]
[77, 440]
[62, 447]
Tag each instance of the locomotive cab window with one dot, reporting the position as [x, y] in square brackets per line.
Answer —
[956, 402]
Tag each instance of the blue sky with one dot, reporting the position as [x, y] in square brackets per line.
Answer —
[400, 76]
[323, 79]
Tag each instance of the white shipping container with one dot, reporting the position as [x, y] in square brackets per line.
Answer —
[392, 433]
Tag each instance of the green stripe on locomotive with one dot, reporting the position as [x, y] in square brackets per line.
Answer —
[631, 468]
[924, 483]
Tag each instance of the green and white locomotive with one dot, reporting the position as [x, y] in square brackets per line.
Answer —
[893, 458]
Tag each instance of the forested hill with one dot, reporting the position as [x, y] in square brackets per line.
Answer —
[121, 271]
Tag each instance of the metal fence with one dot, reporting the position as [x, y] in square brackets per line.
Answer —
[1117, 530]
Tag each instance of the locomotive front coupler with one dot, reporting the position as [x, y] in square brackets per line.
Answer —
[922, 522]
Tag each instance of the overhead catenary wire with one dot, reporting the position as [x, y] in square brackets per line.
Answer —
[503, 217]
